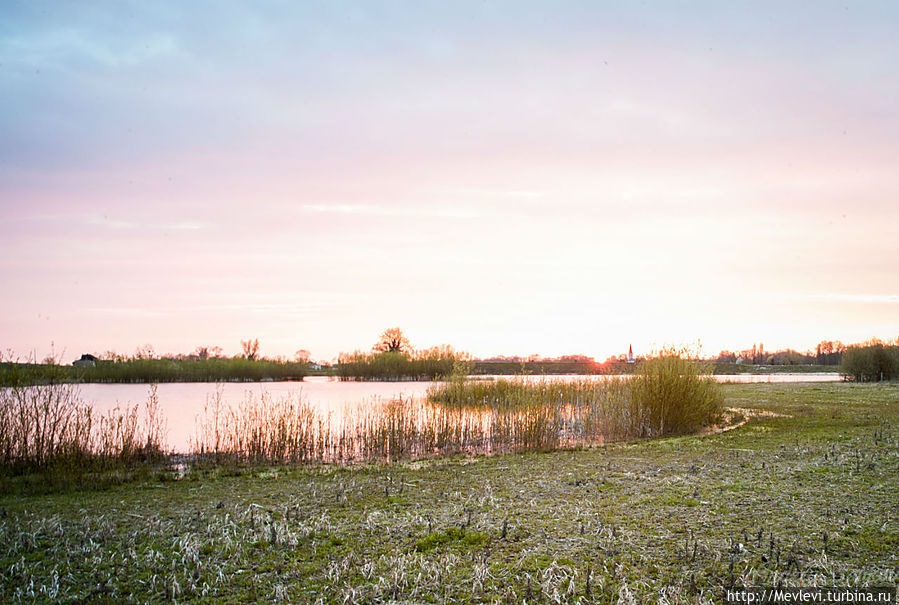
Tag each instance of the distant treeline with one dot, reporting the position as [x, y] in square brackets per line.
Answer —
[827, 353]
[393, 358]
[154, 370]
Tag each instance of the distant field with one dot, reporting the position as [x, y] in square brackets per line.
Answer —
[804, 493]
[734, 368]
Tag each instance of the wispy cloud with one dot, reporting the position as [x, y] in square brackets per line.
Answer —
[523, 193]
[853, 298]
[267, 309]
[61, 45]
[110, 223]
[185, 226]
[398, 211]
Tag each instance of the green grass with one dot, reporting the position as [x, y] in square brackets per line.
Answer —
[451, 535]
[803, 494]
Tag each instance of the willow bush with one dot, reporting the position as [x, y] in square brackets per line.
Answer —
[669, 395]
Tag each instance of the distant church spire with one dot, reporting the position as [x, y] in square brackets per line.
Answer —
[630, 354]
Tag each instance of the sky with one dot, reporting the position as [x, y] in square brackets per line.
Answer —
[510, 178]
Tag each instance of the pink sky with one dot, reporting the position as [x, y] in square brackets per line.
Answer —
[508, 178]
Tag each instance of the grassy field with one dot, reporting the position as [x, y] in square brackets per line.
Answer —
[804, 493]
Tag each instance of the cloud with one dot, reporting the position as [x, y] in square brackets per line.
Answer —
[185, 226]
[398, 211]
[854, 298]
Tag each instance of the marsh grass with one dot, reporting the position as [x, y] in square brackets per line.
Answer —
[289, 430]
[284, 430]
[49, 436]
[666, 395]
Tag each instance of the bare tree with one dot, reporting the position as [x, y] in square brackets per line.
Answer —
[392, 340]
[250, 348]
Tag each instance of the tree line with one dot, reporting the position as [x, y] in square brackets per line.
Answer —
[826, 353]
[393, 357]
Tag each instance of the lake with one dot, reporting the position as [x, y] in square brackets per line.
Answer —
[183, 403]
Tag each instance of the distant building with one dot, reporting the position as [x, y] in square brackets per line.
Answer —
[87, 361]
[630, 354]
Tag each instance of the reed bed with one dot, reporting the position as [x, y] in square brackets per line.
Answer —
[285, 430]
[289, 430]
[667, 395]
[430, 364]
[461, 417]
[48, 427]
[156, 371]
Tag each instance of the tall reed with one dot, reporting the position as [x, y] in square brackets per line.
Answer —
[285, 430]
[47, 426]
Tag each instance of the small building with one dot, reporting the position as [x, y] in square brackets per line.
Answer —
[87, 361]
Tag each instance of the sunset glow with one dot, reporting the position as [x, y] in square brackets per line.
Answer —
[506, 177]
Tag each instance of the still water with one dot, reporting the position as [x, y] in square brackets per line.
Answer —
[183, 404]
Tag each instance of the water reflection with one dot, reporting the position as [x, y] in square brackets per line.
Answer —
[338, 417]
